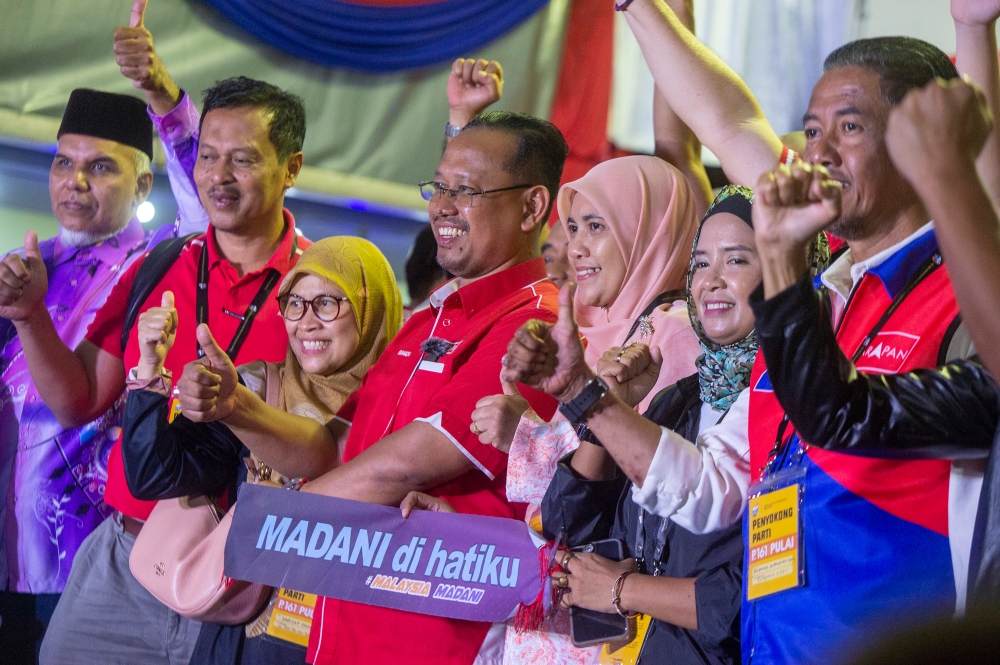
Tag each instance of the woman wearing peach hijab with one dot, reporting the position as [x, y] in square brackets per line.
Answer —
[630, 224]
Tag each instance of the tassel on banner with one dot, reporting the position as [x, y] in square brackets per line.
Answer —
[530, 616]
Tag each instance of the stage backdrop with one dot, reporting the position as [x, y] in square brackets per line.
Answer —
[386, 126]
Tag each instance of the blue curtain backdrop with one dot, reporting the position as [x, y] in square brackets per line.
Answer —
[375, 38]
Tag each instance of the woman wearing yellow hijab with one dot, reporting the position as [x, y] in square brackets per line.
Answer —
[341, 308]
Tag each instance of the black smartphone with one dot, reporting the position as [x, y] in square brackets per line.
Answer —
[587, 627]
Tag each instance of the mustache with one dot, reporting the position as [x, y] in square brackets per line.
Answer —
[229, 192]
[455, 221]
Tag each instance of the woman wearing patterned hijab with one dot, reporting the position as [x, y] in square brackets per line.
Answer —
[677, 502]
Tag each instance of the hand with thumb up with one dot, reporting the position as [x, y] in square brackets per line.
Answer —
[549, 357]
[157, 330]
[207, 387]
[23, 282]
[496, 417]
[138, 61]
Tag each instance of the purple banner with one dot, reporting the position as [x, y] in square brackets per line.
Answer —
[458, 566]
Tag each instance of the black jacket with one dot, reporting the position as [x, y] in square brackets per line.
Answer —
[949, 412]
[183, 458]
[595, 510]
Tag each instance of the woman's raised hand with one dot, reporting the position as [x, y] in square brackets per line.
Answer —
[496, 417]
[549, 357]
[207, 388]
[157, 329]
[630, 371]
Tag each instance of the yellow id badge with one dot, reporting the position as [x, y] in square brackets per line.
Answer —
[616, 653]
[774, 542]
[175, 409]
[291, 617]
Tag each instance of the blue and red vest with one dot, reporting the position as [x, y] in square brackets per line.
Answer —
[875, 531]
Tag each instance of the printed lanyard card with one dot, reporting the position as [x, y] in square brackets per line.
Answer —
[774, 536]
[626, 652]
[291, 616]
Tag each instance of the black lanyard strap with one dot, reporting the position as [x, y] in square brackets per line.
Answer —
[201, 302]
[932, 263]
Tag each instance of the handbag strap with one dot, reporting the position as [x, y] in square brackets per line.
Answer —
[272, 385]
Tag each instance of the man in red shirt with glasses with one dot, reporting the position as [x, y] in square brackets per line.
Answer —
[409, 426]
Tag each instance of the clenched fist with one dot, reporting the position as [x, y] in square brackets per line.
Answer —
[472, 86]
[23, 282]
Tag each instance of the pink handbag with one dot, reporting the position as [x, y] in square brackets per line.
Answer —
[178, 556]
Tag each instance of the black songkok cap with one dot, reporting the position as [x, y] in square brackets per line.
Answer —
[108, 115]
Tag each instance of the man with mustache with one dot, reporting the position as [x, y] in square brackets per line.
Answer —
[894, 311]
[409, 426]
[248, 153]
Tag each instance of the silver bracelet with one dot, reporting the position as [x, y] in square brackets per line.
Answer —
[450, 130]
[616, 595]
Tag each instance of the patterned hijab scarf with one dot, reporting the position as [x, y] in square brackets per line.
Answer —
[724, 370]
[362, 272]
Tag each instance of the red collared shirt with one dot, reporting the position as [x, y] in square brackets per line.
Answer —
[227, 291]
[477, 322]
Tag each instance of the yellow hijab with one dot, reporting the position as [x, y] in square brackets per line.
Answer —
[366, 278]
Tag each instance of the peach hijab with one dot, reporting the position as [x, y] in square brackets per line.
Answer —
[650, 209]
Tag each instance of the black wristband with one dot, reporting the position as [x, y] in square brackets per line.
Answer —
[584, 434]
[577, 408]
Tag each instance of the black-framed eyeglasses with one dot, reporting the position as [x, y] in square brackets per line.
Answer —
[463, 196]
[325, 306]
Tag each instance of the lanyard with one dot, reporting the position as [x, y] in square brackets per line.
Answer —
[931, 264]
[201, 301]
[661, 533]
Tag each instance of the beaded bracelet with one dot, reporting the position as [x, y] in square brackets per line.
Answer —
[616, 593]
[622, 6]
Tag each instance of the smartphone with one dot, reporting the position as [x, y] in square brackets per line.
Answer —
[587, 627]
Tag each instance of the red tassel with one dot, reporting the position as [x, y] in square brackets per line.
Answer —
[530, 617]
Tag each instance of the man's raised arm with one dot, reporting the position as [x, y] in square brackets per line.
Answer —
[705, 93]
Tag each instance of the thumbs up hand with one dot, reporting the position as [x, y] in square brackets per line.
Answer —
[496, 417]
[157, 330]
[207, 388]
[549, 357]
[23, 281]
[630, 371]
[137, 58]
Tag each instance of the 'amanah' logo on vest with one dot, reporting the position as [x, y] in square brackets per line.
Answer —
[887, 352]
[763, 384]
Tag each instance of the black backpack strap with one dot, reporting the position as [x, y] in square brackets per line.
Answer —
[152, 270]
[662, 299]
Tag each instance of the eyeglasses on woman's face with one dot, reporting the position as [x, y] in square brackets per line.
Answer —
[325, 306]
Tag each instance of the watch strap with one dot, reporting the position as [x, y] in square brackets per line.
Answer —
[576, 409]
[584, 434]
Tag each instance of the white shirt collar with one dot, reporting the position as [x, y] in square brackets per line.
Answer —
[441, 294]
[843, 274]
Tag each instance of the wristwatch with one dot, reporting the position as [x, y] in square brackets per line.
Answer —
[577, 408]
[450, 130]
[584, 434]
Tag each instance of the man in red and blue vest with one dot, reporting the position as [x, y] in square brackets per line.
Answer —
[879, 541]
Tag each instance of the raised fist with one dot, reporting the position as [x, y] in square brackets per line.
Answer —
[472, 86]
[936, 127]
[496, 417]
[793, 204]
[630, 371]
[23, 282]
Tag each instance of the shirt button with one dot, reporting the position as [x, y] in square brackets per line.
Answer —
[73, 283]
[60, 317]
[32, 398]
[445, 322]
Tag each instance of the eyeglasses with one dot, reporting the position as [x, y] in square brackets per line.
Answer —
[324, 306]
[464, 197]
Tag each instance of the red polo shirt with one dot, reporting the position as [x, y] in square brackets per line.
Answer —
[477, 321]
[227, 292]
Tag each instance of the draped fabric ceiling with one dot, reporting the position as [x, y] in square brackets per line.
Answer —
[384, 126]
